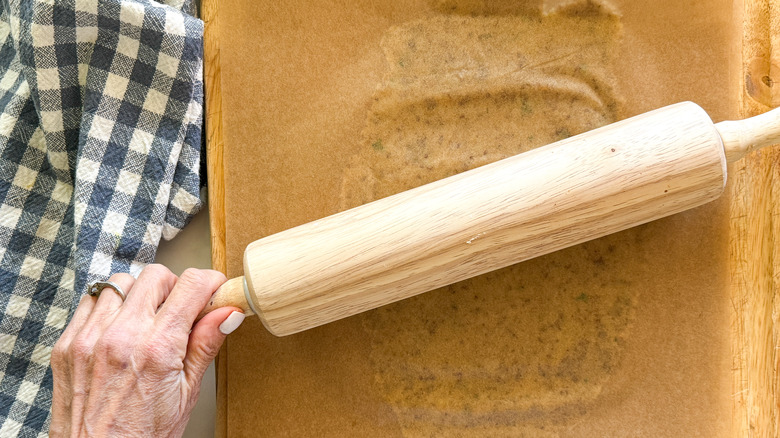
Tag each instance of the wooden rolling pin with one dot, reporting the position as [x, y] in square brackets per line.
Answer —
[600, 182]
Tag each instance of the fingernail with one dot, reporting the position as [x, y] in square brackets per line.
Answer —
[231, 323]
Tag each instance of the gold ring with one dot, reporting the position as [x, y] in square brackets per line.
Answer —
[95, 288]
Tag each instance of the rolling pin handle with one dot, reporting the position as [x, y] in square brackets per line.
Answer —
[741, 137]
[232, 293]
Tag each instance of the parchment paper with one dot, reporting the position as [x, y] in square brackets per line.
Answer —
[330, 104]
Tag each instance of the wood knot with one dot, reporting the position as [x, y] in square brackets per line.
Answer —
[759, 82]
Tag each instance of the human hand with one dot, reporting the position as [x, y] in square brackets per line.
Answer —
[129, 369]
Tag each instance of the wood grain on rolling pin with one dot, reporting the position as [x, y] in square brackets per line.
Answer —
[597, 183]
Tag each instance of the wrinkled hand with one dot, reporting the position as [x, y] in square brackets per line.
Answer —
[129, 369]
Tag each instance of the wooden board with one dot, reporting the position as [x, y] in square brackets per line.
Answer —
[754, 237]
[216, 180]
[752, 245]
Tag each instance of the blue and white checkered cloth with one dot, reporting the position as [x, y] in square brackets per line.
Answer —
[100, 141]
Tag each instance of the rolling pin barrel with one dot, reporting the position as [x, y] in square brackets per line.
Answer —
[578, 189]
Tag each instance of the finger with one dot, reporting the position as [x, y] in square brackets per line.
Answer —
[62, 368]
[109, 302]
[81, 349]
[101, 315]
[187, 298]
[83, 310]
[206, 339]
[149, 290]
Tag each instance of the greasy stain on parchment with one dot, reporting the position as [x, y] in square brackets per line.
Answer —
[525, 349]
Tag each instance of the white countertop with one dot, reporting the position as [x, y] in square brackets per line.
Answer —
[192, 249]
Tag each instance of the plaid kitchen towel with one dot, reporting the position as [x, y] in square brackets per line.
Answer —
[100, 135]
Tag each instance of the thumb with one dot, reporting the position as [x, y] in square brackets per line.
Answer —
[206, 339]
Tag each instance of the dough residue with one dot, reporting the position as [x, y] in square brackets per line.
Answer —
[525, 349]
